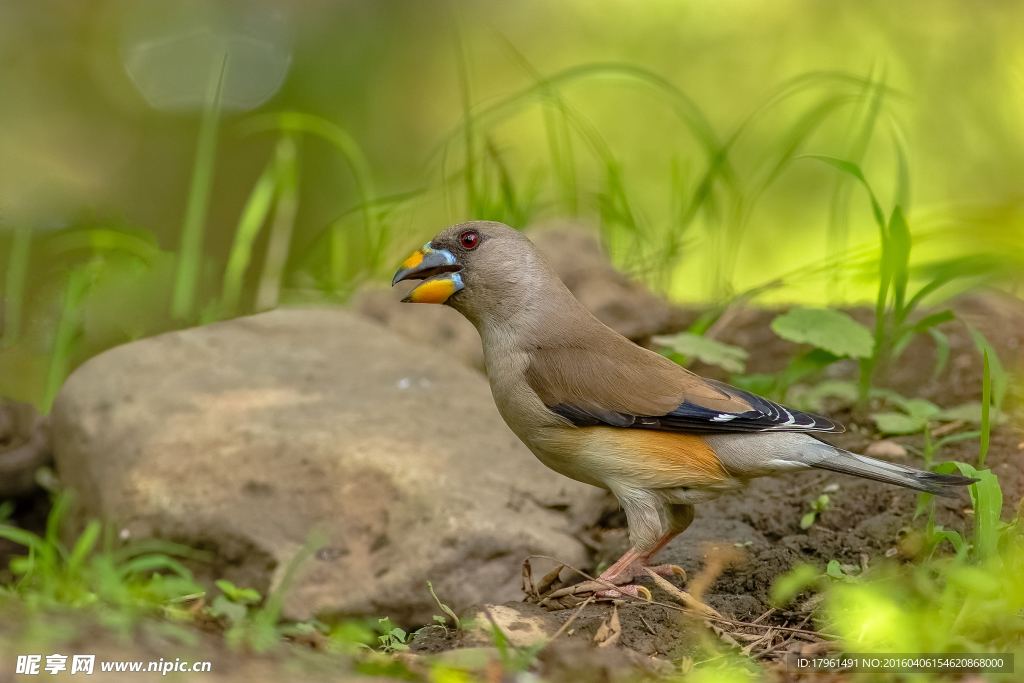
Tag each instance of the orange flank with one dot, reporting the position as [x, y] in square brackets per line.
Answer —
[647, 458]
[432, 291]
[414, 260]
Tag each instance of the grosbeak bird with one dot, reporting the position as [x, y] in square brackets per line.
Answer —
[595, 407]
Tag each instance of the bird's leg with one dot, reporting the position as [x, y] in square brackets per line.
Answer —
[632, 565]
[612, 582]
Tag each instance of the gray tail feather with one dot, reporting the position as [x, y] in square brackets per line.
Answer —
[944, 485]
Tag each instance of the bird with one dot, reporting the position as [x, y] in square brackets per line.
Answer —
[598, 408]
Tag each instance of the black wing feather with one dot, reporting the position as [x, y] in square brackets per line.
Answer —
[764, 416]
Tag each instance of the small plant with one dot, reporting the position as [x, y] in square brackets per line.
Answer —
[686, 346]
[842, 572]
[513, 659]
[920, 416]
[442, 621]
[894, 305]
[392, 638]
[833, 335]
[259, 628]
[128, 579]
[234, 602]
[971, 601]
[818, 505]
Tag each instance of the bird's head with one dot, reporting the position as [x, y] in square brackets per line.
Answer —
[478, 268]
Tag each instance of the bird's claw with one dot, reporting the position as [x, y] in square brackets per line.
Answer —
[601, 589]
[631, 590]
[618, 586]
[583, 587]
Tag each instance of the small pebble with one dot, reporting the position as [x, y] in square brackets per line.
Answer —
[886, 449]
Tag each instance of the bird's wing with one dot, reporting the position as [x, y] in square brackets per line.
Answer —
[630, 387]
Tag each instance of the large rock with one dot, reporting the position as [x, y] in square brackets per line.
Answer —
[244, 436]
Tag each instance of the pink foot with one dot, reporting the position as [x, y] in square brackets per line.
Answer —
[621, 582]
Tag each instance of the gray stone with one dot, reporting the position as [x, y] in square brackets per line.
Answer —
[244, 436]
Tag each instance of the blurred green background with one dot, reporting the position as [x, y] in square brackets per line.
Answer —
[680, 129]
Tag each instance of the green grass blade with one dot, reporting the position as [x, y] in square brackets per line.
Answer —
[988, 505]
[151, 563]
[941, 351]
[253, 217]
[68, 329]
[340, 139]
[65, 243]
[897, 252]
[269, 290]
[558, 133]
[854, 170]
[466, 97]
[191, 251]
[902, 194]
[84, 545]
[267, 616]
[149, 546]
[14, 291]
[986, 402]
[21, 537]
[999, 377]
[987, 499]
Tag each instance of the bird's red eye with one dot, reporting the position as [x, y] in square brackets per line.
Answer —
[469, 239]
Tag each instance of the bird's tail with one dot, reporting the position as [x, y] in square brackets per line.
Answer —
[838, 460]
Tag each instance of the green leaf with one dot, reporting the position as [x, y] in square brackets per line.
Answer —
[920, 408]
[729, 358]
[854, 170]
[21, 537]
[968, 412]
[236, 594]
[926, 324]
[833, 331]
[445, 608]
[834, 570]
[235, 612]
[987, 498]
[897, 423]
[807, 521]
[953, 438]
[954, 538]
